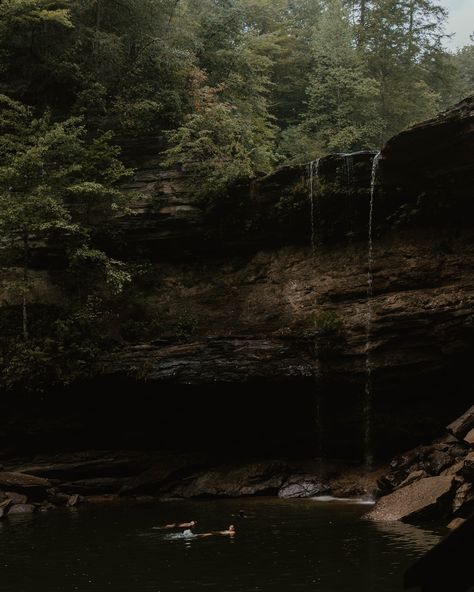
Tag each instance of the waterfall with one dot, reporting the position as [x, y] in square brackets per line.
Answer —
[319, 401]
[313, 186]
[368, 402]
[349, 168]
[313, 182]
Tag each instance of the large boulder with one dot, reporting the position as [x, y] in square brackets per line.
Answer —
[84, 465]
[421, 500]
[258, 478]
[164, 473]
[23, 483]
[308, 487]
[462, 425]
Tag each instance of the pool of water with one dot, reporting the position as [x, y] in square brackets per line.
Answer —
[300, 545]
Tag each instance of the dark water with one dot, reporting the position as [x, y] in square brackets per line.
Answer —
[285, 545]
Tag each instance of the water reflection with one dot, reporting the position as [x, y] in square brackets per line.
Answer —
[409, 537]
[288, 545]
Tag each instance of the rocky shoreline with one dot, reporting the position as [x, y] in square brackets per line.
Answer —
[44, 483]
[434, 481]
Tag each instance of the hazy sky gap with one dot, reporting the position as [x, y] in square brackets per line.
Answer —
[460, 21]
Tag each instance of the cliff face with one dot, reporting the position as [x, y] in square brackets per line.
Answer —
[260, 304]
[241, 297]
[259, 281]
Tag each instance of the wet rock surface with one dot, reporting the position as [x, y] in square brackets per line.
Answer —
[420, 500]
[261, 478]
[308, 487]
[433, 481]
[463, 426]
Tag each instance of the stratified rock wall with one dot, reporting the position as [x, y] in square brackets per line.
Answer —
[241, 297]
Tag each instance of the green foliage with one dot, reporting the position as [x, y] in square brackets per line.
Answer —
[220, 141]
[186, 326]
[60, 352]
[46, 166]
[463, 62]
[342, 98]
[328, 322]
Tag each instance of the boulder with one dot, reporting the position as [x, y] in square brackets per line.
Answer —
[258, 478]
[464, 499]
[455, 523]
[429, 497]
[466, 469]
[437, 461]
[85, 465]
[453, 469]
[16, 498]
[21, 509]
[469, 437]
[164, 473]
[463, 425]
[4, 505]
[303, 488]
[412, 477]
[20, 482]
[57, 498]
[73, 501]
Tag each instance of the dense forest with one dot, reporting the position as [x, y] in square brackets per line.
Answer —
[229, 88]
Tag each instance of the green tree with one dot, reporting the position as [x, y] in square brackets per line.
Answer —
[402, 46]
[47, 168]
[225, 138]
[463, 61]
[342, 107]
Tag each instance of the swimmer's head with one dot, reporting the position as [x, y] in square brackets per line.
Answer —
[193, 523]
[231, 528]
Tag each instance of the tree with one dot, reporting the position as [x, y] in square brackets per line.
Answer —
[463, 61]
[342, 109]
[220, 142]
[44, 167]
[402, 41]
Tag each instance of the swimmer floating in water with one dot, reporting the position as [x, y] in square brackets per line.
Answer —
[229, 532]
[187, 525]
[189, 534]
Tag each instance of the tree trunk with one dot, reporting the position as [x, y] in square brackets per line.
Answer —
[362, 19]
[98, 15]
[410, 27]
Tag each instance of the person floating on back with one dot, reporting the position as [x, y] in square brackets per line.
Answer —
[174, 525]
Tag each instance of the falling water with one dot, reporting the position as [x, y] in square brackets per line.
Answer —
[313, 181]
[319, 402]
[368, 345]
[349, 168]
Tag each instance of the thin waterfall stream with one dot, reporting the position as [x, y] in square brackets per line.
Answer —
[368, 399]
[313, 187]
